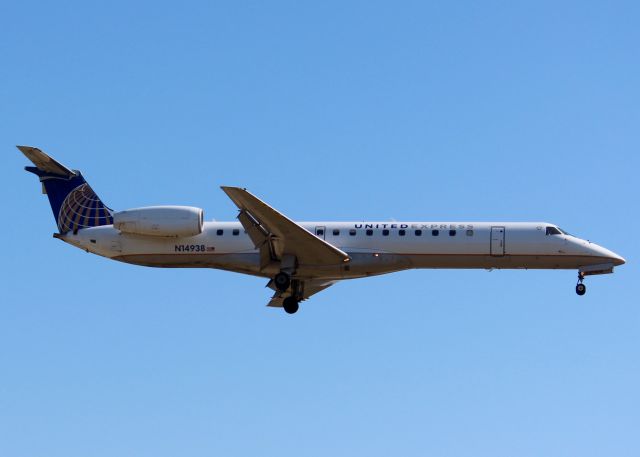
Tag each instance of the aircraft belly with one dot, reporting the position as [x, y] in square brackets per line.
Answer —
[240, 262]
[361, 264]
[513, 261]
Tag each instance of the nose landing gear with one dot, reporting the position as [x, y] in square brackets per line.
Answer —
[581, 289]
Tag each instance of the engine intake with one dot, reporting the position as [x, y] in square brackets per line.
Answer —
[169, 221]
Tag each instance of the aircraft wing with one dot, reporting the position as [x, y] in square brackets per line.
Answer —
[275, 235]
[310, 287]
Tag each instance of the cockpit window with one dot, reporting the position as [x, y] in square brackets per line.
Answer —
[553, 231]
[564, 232]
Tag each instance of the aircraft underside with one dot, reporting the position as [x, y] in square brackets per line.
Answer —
[360, 264]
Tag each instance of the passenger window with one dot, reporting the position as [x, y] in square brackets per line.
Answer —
[469, 232]
[435, 232]
[320, 232]
[352, 232]
[219, 232]
[418, 232]
[236, 232]
[402, 232]
[553, 231]
[369, 232]
[385, 232]
[336, 232]
[452, 233]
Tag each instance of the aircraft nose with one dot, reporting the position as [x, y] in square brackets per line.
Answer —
[618, 259]
[610, 255]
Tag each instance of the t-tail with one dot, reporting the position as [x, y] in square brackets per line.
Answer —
[74, 203]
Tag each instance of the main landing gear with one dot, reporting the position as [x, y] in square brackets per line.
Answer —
[282, 282]
[581, 289]
[290, 305]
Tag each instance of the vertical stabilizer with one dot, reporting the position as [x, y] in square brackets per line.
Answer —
[74, 203]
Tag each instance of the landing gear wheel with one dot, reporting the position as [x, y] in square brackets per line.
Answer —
[282, 281]
[581, 289]
[290, 305]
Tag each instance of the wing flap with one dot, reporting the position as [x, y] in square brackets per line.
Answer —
[256, 232]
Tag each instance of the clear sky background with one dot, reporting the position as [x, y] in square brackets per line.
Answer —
[448, 111]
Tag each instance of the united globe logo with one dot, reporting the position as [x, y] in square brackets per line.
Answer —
[81, 209]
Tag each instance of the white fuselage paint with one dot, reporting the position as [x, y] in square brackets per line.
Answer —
[473, 245]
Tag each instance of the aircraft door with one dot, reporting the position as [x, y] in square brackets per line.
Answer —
[497, 241]
[320, 231]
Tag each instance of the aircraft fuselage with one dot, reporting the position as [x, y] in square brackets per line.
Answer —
[299, 258]
[373, 248]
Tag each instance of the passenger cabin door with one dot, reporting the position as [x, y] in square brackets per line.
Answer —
[497, 241]
[320, 231]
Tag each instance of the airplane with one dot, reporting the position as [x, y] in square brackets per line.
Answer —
[300, 259]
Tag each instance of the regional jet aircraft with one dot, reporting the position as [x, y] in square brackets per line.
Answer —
[300, 259]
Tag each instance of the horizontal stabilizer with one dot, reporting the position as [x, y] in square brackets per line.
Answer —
[45, 163]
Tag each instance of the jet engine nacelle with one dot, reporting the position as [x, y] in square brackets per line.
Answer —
[170, 221]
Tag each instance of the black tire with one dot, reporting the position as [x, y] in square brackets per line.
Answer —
[290, 305]
[581, 289]
[282, 281]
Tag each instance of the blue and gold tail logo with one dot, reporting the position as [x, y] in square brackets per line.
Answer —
[73, 202]
[81, 209]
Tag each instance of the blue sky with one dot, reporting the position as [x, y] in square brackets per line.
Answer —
[341, 110]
